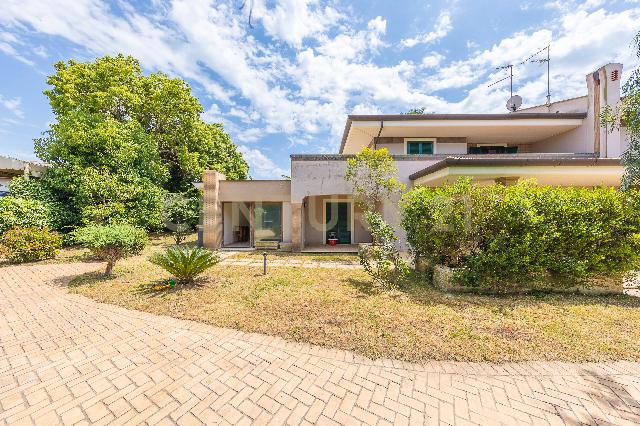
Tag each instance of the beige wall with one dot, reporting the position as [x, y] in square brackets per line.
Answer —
[314, 219]
[318, 177]
[573, 141]
[255, 190]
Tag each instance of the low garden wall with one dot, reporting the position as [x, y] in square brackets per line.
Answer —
[516, 238]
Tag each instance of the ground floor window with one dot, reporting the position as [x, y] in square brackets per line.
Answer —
[268, 222]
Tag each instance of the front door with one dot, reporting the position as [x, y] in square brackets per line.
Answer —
[338, 221]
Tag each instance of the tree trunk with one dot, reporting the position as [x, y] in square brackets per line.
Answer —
[109, 269]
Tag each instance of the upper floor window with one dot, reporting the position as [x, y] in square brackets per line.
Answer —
[419, 146]
[493, 149]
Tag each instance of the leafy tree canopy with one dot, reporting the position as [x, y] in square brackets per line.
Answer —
[374, 176]
[121, 140]
[628, 114]
[164, 108]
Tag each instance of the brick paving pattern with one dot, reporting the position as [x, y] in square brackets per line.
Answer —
[65, 359]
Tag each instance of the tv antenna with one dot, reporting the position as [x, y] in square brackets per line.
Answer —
[546, 60]
[514, 102]
[244, 3]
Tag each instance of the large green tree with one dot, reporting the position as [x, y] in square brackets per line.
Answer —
[628, 115]
[114, 87]
[122, 139]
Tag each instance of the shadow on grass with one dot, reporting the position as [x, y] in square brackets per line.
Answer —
[86, 279]
[418, 288]
[161, 288]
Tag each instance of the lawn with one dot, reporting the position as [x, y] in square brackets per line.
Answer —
[340, 308]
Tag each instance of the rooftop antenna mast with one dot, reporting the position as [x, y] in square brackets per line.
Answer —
[510, 77]
[514, 102]
[533, 59]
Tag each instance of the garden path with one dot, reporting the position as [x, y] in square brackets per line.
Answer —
[65, 359]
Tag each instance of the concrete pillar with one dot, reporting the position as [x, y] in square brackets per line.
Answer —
[297, 235]
[252, 224]
[212, 209]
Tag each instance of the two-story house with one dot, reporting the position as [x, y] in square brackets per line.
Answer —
[557, 144]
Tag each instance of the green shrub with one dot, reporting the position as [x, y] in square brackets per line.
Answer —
[22, 213]
[381, 259]
[180, 214]
[111, 242]
[30, 244]
[185, 262]
[509, 235]
[61, 214]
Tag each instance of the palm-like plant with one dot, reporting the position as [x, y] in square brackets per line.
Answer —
[185, 262]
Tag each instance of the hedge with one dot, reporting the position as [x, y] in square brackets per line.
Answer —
[499, 234]
[22, 213]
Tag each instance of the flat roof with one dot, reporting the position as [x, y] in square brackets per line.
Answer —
[560, 160]
[453, 117]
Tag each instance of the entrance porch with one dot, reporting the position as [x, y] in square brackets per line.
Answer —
[332, 223]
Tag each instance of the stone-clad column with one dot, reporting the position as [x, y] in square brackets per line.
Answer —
[212, 208]
[297, 242]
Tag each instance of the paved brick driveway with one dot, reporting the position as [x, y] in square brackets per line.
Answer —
[66, 359]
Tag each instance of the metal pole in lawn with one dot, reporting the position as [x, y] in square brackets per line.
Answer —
[264, 263]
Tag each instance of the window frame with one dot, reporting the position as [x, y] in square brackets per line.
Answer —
[408, 140]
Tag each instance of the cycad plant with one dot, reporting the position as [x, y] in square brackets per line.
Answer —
[185, 262]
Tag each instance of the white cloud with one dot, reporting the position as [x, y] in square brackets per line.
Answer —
[294, 20]
[442, 28]
[432, 60]
[261, 167]
[319, 61]
[13, 105]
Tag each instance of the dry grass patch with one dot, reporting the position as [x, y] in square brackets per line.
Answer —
[339, 308]
[347, 258]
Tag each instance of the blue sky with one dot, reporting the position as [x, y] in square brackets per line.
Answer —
[285, 83]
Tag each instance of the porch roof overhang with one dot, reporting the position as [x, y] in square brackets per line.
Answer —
[477, 128]
[559, 170]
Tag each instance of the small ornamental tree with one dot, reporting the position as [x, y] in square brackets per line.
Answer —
[628, 113]
[180, 214]
[382, 261]
[373, 175]
[111, 242]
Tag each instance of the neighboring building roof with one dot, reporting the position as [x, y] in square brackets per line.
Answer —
[552, 117]
[532, 160]
[13, 166]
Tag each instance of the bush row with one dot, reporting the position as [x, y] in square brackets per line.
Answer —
[497, 235]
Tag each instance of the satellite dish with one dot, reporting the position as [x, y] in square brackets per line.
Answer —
[514, 103]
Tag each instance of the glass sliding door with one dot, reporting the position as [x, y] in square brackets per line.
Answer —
[338, 221]
[268, 222]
